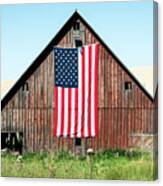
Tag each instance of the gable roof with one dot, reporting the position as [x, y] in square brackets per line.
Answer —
[66, 27]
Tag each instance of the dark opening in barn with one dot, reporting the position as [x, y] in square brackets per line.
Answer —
[78, 43]
[128, 85]
[78, 142]
[12, 141]
[76, 25]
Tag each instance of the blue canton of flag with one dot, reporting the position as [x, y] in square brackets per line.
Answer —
[66, 67]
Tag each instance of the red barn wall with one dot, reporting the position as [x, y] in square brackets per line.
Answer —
[121, 112]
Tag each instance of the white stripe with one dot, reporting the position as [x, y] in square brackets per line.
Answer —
[86, 93]
[65, 111]
[72, 111]
[92, 92]
[59, 111]
[79, 93]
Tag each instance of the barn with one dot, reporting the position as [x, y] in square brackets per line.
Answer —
[127, 113]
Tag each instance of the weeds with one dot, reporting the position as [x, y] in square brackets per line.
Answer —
[110, 164]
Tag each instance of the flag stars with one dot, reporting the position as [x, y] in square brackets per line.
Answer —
[66, 67]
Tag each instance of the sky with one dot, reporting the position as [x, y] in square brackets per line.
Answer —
[26, 29]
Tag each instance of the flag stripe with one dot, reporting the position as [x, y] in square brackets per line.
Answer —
[96, 89]
[83, 92]
[65, 111]
[59, 112]
[79, 93]
[93, 92]
[56, 110]
[76, 112]
[73, 112]
[89, 89]
[62, 110]
[69, 111]
[86, 93]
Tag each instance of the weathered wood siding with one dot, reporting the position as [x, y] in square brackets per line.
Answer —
[121, 112]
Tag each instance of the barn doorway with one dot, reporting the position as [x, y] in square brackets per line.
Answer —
[12, 141]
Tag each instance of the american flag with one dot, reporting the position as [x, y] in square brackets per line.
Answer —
[76, 91]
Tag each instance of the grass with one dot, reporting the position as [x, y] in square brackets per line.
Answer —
[115, 165]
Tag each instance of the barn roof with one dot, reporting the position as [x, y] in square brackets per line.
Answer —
[66, 27]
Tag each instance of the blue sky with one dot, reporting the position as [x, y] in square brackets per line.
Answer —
[126, 27]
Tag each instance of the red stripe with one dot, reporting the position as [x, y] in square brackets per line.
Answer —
[83, 91]
[69, 112]
[96, 89]
[76, 111]
[62, 111]
[89, 88]
[56, 110]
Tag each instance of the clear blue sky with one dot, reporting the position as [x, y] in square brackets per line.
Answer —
[126, 27]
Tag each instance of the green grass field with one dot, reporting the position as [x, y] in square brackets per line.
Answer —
[115, 165]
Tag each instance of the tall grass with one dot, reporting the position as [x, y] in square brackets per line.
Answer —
[105, 165]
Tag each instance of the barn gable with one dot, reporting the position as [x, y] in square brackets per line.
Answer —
[76, 16]
[125, 107]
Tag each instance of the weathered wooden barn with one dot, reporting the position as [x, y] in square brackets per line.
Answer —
[127, 112]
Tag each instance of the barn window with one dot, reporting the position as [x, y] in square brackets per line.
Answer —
[76, 26]
[25, 87]
[128, 85]
[78, 43]
[78, 142]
